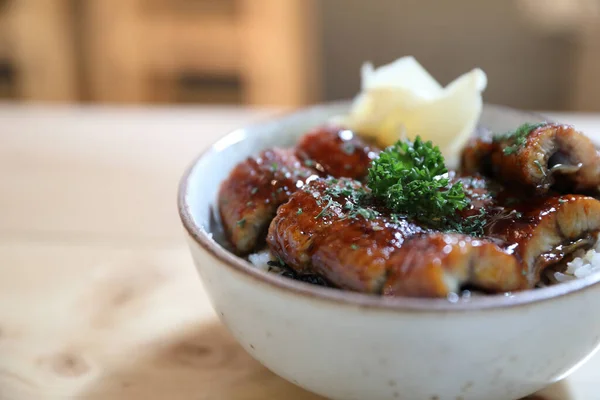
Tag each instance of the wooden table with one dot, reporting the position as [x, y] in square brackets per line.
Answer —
[98, 296]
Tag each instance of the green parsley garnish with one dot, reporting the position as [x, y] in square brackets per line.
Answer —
[241, 222]
[517, 138]
[254, 190]
[540, 167]
[274, 166]
[354, 246]
[410, 177]
[309, 162]
[299, 211]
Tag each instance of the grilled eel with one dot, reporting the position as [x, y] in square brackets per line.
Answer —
[249, 197]
[551, 157]
[325, 230]
[337, 152]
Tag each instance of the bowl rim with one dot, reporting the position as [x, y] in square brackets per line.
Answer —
[349, 298]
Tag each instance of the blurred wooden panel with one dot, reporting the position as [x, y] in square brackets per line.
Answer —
[206, 43]
[142, 50]
[580, 21]
[41, 47]
[195, 88]
[279, 51]
[585, 95]
[6, 69]
[220, 7]
[114, 50]
[4, 33]
[7, 77]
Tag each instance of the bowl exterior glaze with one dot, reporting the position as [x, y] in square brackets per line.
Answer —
[358, 350]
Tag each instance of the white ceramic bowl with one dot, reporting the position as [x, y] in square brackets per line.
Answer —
[346, 345]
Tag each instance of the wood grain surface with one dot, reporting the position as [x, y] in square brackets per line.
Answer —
[98, 296]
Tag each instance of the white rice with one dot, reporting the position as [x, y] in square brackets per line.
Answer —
[584, 264]
[260, 260]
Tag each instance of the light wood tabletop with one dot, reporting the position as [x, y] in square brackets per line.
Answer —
[98, 296]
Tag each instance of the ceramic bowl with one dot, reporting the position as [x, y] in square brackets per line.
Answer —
[345, 345]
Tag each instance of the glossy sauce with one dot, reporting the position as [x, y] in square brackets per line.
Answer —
[337, 151]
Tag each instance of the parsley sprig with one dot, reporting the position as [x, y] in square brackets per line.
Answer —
[411, 178]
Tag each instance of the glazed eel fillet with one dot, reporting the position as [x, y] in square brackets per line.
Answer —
[549, 156]
[249, 197]
[362, 248]
[371, 251]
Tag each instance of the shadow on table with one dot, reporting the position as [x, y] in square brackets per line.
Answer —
[558, 391]
[207, 363]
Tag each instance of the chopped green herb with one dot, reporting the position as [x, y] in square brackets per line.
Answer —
[354, 246]
[353, 191]
[309, 163]
[562, 201]
[254, 190]
[324, 210]
[366, 213]
[410, 177]
[249, 204]
[274, 167]
[348, 148]
[517, 138]
[540, 167]
[473, 225]
[241, 223]
[299, 211]
[352, 196]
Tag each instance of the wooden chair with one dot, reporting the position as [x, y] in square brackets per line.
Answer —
[135, 51]
[267, 44]
[37, 37]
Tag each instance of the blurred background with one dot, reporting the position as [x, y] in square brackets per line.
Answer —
[538, 54]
